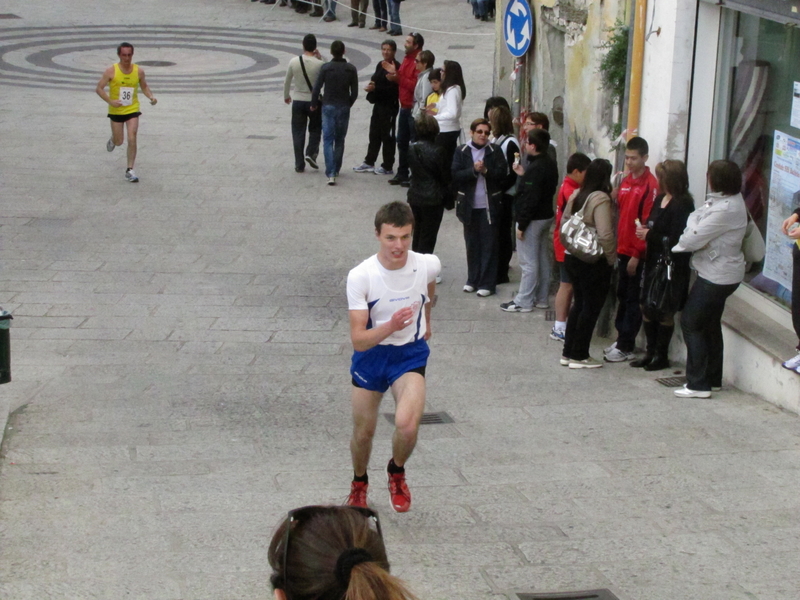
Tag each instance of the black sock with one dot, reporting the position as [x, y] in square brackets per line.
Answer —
[363, 479]
[394, 469]
[129, 169]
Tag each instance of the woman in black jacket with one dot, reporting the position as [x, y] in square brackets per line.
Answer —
[430, 176]
[667, 220]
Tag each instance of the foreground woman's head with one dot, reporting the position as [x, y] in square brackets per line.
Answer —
[332, 553]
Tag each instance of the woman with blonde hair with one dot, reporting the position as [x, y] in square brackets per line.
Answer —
[332, 553]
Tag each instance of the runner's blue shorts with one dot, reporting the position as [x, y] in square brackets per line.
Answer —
[379, 367]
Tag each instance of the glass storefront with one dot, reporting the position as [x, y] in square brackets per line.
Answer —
[757, 125]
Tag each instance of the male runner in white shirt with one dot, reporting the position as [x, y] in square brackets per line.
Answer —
[389, 297]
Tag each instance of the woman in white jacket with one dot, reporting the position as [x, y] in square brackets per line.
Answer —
[714, 234]
[448, 109]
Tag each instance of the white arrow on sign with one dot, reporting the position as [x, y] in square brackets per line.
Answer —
[519, 9]
[510, 35]
[526, 36]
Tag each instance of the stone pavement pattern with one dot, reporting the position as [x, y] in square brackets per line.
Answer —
[180, 355]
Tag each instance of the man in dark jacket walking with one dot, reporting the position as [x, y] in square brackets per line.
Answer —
[479, 169]
[533, 207]
[340, 82]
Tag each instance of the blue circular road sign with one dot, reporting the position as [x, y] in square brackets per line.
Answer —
[518, 27]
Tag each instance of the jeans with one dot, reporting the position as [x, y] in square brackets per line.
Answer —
[358, 11]
[394, 16]
[381, 12]
[335, 119]
[629, 312]
[479, 8]
[480, 237]
[427, 220]
[405, 135]
[303, 117]
[331, 8]
[535, 262]
[701, 323]
[590, 283]
[381, 133]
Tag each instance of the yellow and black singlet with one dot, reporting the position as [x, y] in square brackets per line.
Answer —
[126, 88]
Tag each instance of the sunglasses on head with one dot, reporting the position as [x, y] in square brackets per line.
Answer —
[298, 515]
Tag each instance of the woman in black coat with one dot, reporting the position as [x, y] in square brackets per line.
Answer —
[667, 220]
[430, 177]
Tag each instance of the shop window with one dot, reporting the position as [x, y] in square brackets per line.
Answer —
[757, 125]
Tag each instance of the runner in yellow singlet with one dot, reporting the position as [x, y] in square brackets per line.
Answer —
[123, 80]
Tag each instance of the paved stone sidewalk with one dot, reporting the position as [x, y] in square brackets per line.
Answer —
[180, 354]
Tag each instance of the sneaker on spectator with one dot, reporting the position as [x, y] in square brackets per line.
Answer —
[617, 355]
[610, 348]
[514, 307]
[468, 288]
[792, 364]
[398, 492]
[557, 334]
[331, 180]
[542, 305]
[685, 392]
[312, 162]
[587, 363]
[484, 293]
[358, 494]
[364, 168]
[379, 170]
[563, 361]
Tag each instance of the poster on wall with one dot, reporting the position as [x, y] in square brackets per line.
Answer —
[783, 188]
[796, 105]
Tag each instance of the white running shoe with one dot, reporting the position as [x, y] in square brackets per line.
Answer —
[331, 180]
[130, 175]
[617, 355]
[381, 171]
[438, 279]
[557, 334]
[685, 392]
[364, 168]
[610, 348]
[588, 363]
[110, 145]
[792, 364]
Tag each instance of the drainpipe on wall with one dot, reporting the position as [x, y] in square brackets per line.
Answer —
[637, 68]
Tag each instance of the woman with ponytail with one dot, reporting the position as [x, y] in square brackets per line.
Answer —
[332, 553]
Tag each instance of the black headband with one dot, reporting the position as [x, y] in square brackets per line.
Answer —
[347, 560]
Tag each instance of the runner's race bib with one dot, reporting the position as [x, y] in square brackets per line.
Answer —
[126, 96]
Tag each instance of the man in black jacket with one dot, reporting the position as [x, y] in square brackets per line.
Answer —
[533, 207]
[384, 97]
[479, 169]
[340, 82]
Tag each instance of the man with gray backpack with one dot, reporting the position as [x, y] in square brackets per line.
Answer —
[303, 71]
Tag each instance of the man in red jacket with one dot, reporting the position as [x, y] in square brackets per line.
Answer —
[406, 78]
[635, 197]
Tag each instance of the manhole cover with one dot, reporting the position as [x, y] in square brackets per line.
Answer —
[672, 381]
[587, 595]
[437, 418]
[156, 63]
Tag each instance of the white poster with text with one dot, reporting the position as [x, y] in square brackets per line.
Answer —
[784, 191]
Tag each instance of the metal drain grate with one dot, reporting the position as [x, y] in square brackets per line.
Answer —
[672, 381]
[549, 315]
[461, 47]
[9, 16]
[587, 595]
[157, 63]
[437, 418]
[260, 137]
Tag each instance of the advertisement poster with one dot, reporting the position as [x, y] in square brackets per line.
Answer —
[796, 106]
[783, 195]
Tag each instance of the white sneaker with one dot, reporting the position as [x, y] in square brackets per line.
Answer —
[514, 307]
[617, 355]
[130, 175]
[610, 348]
[468, 288]
[331, 180]
[792, 364]
[563, 361]
[381, 171]
[685, 392]
[484, 293]
[364, 168]
[438, 279]
[588, 363]
[557, 334]
[542, 305]
[110, 145]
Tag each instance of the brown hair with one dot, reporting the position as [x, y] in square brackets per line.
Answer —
[540, 119]
[501, 121]
[479, 121]
[394, 213]
[317, 542]
[672, 177]
[426, 126]
[725, 176]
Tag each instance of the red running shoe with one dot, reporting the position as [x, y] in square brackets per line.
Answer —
[358, 494]
[398, 492]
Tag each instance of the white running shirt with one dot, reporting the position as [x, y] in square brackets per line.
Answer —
[382, 292]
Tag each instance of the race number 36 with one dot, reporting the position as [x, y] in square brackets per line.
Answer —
[126, 96]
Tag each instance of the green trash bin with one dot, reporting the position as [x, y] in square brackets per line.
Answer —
[5, 346]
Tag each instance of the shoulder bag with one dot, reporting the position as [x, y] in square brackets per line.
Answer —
[580, 239]
[753, 246]
[657, 295]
